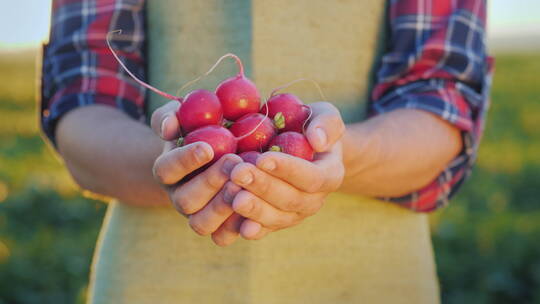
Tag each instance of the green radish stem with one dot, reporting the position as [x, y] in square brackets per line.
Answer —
[279, 120]
[180, 141]
[144, 84]
[275, 149]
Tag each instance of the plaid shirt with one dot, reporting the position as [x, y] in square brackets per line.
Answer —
[435, 61]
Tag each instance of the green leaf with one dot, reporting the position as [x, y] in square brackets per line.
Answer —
[275, 149]
[180, 142]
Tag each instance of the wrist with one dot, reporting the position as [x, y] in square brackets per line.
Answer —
[362, 148]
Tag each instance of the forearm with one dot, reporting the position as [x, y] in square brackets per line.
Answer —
[398, 152]
[111, 154]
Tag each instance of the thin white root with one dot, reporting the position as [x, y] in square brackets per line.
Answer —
[316, 84]
[144, 84]
[254, 129]
[228, 55]
[307, 119]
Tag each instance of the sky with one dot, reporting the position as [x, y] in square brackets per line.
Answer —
[25, 23]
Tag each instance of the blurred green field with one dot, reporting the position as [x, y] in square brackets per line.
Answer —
[487, 242]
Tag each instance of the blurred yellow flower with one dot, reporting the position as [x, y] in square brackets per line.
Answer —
[4, 252]
[3, 191]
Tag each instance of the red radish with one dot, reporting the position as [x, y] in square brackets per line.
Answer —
[220, 139]
[257, 140]
[293, 143]
[250, 156]
[200, 108]
[238, 95]
[288, 112]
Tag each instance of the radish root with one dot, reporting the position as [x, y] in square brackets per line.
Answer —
[144, 84]
[316, 84]
[228, 55]
[255, 129]
[307, 119]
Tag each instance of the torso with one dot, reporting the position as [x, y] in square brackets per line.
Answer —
[354, 250]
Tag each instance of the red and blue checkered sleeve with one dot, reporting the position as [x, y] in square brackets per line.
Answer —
[78, 69]
[436, 61]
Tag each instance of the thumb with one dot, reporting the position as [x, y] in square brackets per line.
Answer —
[164, 122]
[325, 128]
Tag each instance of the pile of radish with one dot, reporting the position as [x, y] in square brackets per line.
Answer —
[232, 120]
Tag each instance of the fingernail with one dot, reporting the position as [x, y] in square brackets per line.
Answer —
[163, 123]
[228, 165]
[321, 136]
[269, 165]
[201, 153]
[246, 179]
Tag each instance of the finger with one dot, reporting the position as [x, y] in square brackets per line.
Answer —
[251, 230]
[196, 193]
[229, 231]
[276, 192]
[213, 215]
[302, 174]
[324, 174]
[326, 126]
[254, 208]
[170, 167]
[164, 122]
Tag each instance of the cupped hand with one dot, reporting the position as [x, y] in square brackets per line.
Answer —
[206, 197]
[282, 190]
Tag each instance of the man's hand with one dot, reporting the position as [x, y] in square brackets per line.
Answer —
[209, 198]
[205, 196]
[282, 190]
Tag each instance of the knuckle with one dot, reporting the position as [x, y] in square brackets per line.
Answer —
[161, 173]
[280, 222]
[220, 240]
[187, 160]
[184, 203]
[263, 184]
[294, 204]
[315, 185]
[256, 210]
[250, 208]
[221, 208]
[198, 227]
[213, 179]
